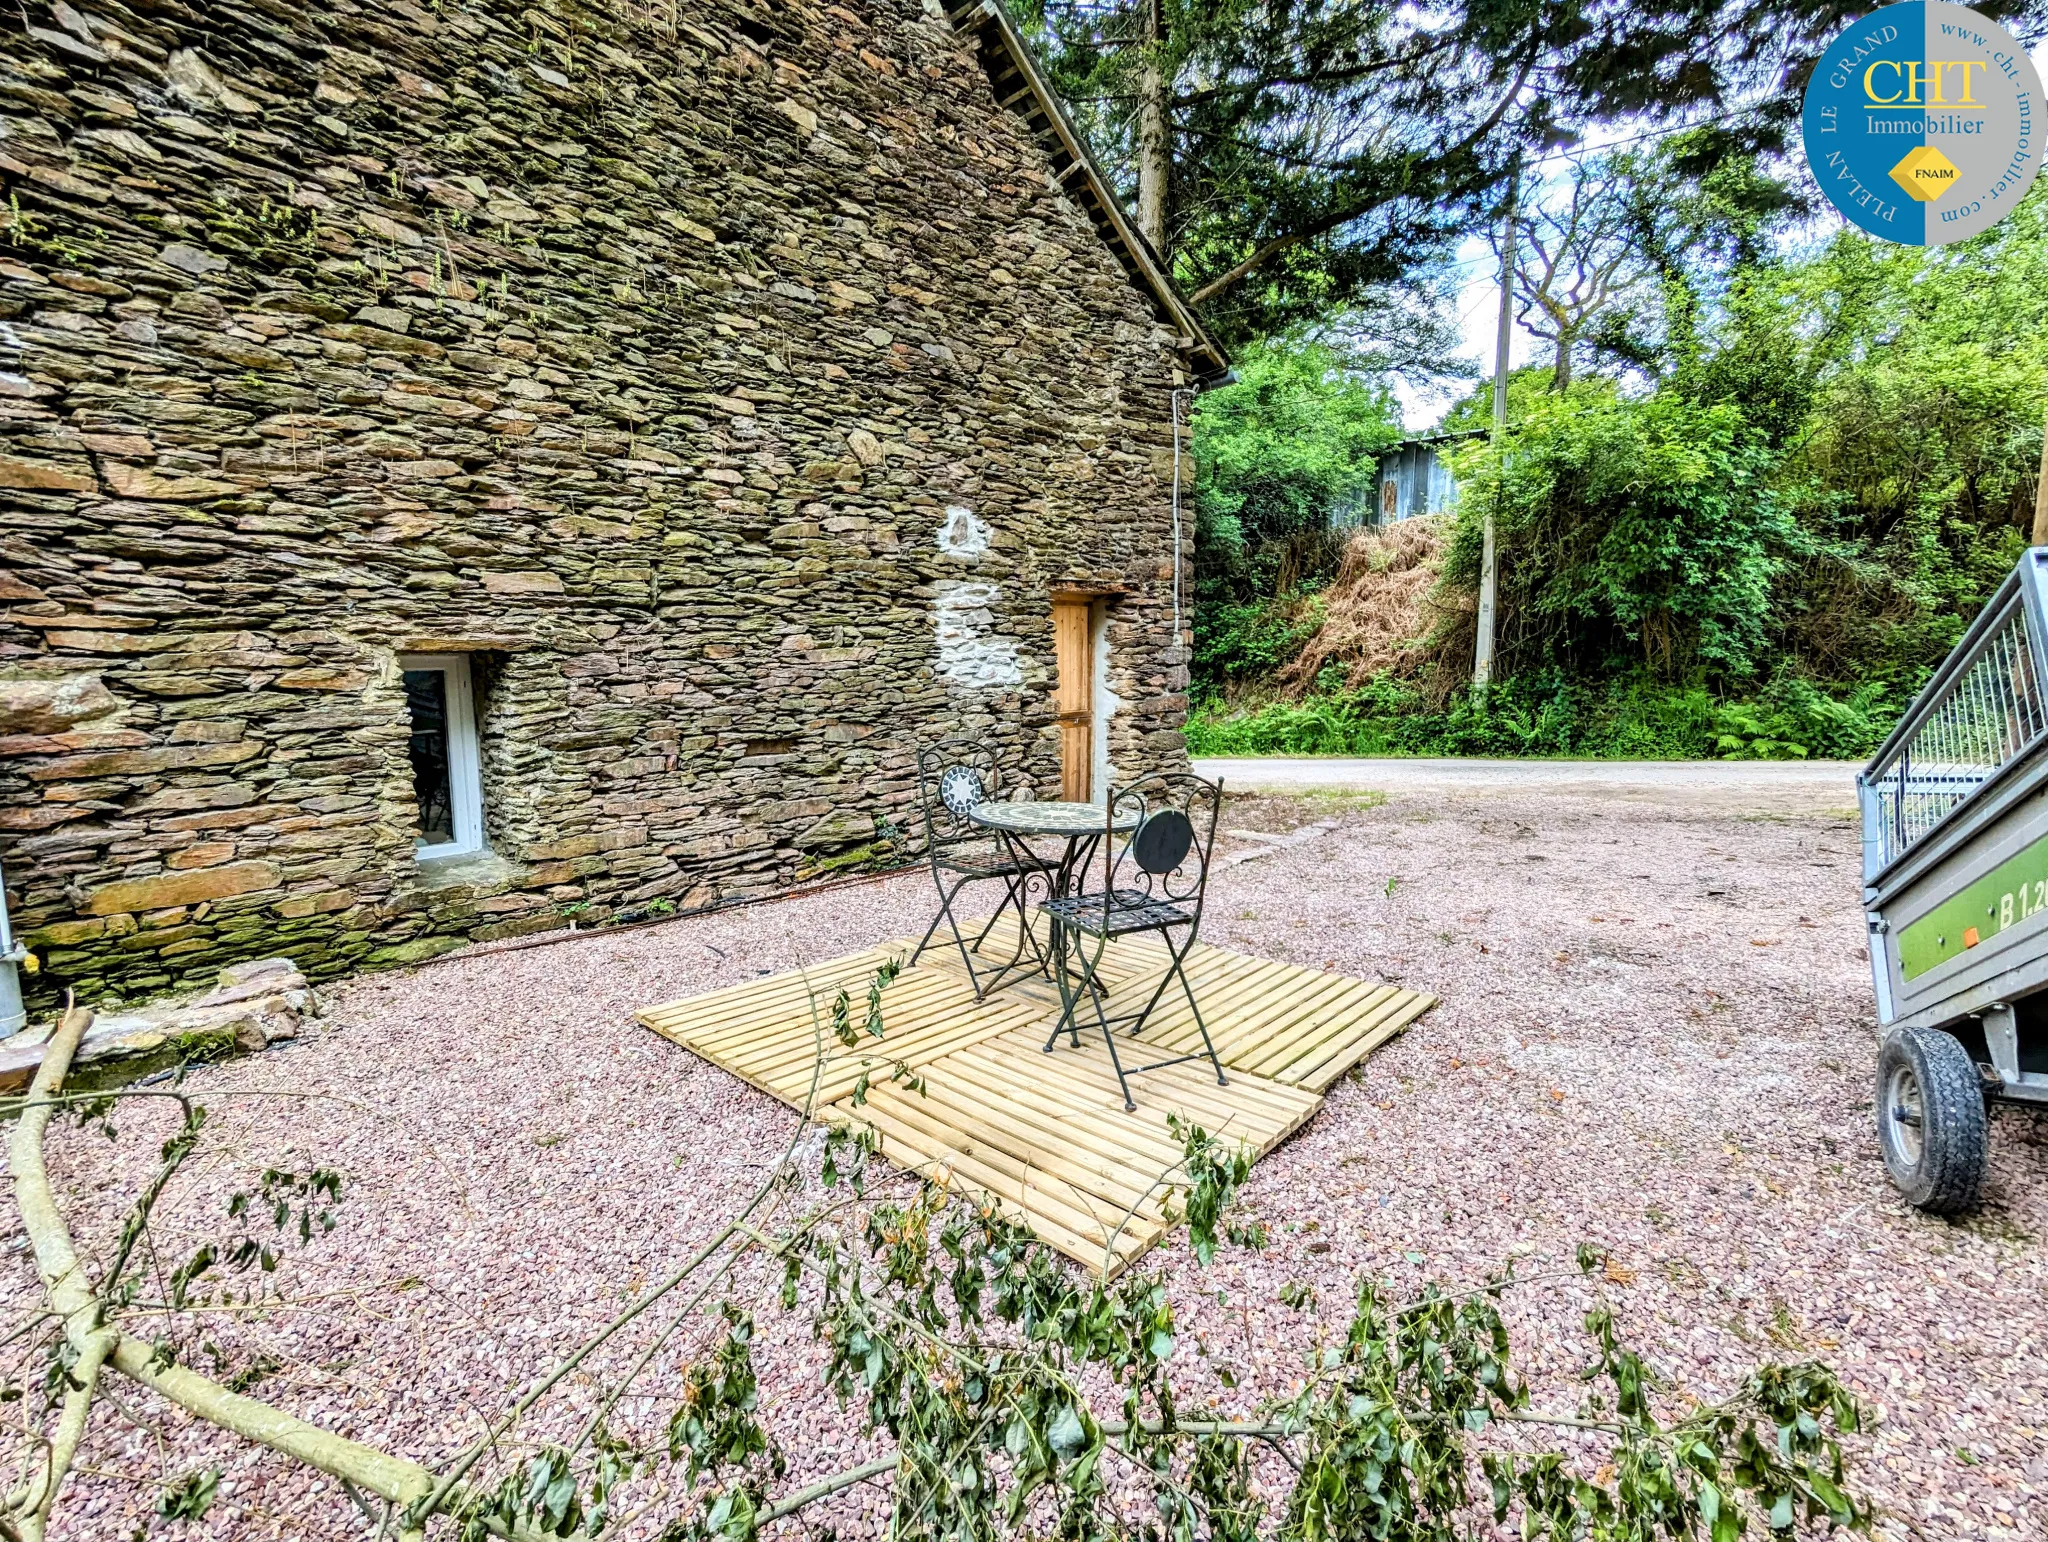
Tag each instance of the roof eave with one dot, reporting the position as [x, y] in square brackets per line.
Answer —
[1021, 87]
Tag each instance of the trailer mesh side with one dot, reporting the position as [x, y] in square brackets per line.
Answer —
[1990, 714]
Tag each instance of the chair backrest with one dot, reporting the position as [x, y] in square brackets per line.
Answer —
[953, 777]
[1168, 830]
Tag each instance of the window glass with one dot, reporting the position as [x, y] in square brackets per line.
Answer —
[426, 693]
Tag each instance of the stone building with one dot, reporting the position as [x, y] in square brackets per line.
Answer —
[471, 466]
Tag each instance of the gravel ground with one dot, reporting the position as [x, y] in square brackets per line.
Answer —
[1656, 1034]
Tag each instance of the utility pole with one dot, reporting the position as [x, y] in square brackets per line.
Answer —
[2040, 537]
[1482, 652]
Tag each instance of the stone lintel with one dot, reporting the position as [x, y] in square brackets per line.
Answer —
[475, 642]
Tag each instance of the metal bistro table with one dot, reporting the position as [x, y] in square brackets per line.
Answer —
[1082, 826]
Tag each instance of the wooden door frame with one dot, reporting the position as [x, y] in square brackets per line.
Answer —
[1073, 636]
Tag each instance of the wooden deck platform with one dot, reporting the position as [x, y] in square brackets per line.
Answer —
[1046, 1135]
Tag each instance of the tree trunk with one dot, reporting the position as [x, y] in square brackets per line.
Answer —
[1561, 372]
[1155, 147]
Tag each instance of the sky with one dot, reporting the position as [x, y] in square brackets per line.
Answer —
[1478, 304]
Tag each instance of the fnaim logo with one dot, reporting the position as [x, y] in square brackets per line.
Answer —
[1923, 123]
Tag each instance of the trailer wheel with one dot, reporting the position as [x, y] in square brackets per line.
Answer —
[1930, 1119]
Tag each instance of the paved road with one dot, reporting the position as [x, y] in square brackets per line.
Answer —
[1823, 783]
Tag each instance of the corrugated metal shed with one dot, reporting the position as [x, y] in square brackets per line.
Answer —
[1412, 478]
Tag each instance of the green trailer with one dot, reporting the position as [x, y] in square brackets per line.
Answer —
[1955, 872]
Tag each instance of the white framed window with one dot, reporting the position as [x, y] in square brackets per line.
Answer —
[447, 770]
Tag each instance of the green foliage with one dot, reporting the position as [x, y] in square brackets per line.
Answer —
[961, 1340]
[714, 1425]
[1385, 1420]
[1630, 532]
[1527, 386]
[1770, 1452]
[59, 1378]
[306, 1200]
[1314, 152]
[1758, 542]
[846, 1153]
[1834, 470]
[189, 1496]
[1793, 719]
[842, 1007]
[1246, 641]
[1214, 1172]
[1552, 714]
[543, 1497]
[1915, 470]
[117, 1284]
[295, 1202]
[1293, 441]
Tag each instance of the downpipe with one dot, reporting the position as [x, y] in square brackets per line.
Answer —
[13, 1015]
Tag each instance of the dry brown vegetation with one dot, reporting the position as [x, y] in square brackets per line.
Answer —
[1382, 614]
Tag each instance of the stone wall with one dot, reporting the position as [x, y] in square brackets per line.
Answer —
[729, 379]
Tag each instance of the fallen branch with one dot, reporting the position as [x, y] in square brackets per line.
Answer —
[97, 1340]
[825, 1488]
[64, 1283]
[436, 1499]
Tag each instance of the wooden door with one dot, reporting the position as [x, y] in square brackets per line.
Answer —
[1074, 699]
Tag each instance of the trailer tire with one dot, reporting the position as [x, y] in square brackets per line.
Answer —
[1931, 1124]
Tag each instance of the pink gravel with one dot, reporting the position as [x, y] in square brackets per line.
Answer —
[1656, 1035]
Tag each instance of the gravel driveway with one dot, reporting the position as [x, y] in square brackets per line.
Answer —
[1656, 1034]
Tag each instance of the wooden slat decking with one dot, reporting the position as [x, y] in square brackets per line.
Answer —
[1303, 1026]
[1046, 1136]
[768, 1031]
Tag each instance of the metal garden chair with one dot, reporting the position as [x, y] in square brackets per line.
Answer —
[953, 778]
[1154, 880]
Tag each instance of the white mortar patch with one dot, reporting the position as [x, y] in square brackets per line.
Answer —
[1107, 704]
[972, 653]
[962, 536]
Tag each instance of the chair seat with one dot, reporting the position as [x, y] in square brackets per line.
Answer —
[977, 861]
[1113, 914]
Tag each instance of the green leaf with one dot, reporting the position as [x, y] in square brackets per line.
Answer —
[1067, 1435]
[190, 1496]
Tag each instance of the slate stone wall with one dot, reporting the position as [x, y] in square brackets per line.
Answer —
[728, 379]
